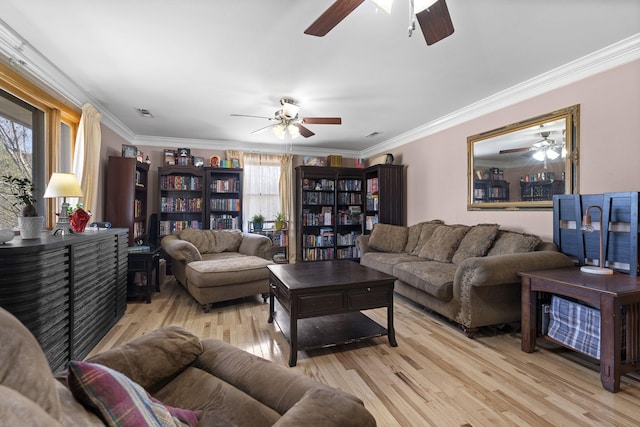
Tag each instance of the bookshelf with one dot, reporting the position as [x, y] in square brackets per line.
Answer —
[224, 198]
[384, 196]
[279, 241]
[181, 203]
[127, 191]
[329, 210]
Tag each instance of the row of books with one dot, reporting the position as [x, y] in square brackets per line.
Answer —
[350, 185]
[224, 222]
[225, 205]
[351, 216]
[318, 218]
[138, 208]
[372, 185]
[318, 184]
[180, 204]
[324, 239]
[349, 198]
[231, 185]
[372, 202]
[317, 198]
[279, 239]
[370, 221]
[181, 182]
[348, 239]
[325, 254]
[347, 253]
[168, 227]
[138, 229]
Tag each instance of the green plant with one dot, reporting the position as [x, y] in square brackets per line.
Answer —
[22, 189]
[280, 217]
[258, 219]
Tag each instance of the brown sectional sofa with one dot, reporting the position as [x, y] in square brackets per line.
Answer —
[219, 265]
[229, 386]
[469, 274]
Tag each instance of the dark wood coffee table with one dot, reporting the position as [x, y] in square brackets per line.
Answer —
[321, 303]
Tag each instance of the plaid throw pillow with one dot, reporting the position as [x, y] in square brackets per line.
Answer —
[120, 401]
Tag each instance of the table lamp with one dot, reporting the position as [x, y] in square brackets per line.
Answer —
[63, 185]
[587, 227]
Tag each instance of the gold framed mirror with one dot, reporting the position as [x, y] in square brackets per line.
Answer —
[523, 165]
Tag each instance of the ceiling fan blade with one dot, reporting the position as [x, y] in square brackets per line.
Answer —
[261, 129]
[322, 120]
[248, 115]
[332, 17]
[304, 131]
[435, 22]
[516, 150]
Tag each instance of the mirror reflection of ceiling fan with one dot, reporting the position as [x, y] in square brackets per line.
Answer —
[433, 17]
[543, 150]
[288, 122]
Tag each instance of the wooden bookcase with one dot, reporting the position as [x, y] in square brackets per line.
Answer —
[279, 240]
[384, 195]
[127, 203]
[223, 198]
[329, 210]
[180, 196]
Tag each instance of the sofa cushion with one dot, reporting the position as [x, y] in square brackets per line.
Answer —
[225, 240]
[388, 238]
[476, 242]
[443, 243]
[221, 403]
[432, 277]
[385, 261]
[426, 231]
[510, 242]
[412, 237]
[198, 238]
[119, 400]
[227, 271]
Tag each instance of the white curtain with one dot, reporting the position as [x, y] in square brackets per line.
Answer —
[86, 158]
[261, 192]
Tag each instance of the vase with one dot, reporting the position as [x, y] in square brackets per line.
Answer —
[79, 219]
[257, 226]
[6, 234]
[30, 226]
[279, 225]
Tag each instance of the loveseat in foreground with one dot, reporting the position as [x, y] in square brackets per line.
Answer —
[219, 265]
[469, 274]
[214, 381]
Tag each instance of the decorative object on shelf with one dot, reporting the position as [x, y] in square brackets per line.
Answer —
[29, 222]
[388, 160]
[334, 161]
[587, 227]
[258, 221]
[63, 185]
[6, 234]
[184, 152]
[148, 160]
[214, 161]
[78, 218]
[169, 157]
[198, 161]
[280, 220]
[314, 161]
[129, 151]
[235, 163]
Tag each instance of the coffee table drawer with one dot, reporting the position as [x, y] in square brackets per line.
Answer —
[360, 299]
[325, 303]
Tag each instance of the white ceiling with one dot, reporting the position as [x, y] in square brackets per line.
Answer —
[193, 63]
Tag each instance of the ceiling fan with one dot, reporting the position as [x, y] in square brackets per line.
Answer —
[433, 17]
[289, 122]
[543, 150]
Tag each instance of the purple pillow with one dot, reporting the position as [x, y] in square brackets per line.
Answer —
[120, 401]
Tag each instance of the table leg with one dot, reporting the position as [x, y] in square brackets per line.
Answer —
[529, 319]
[157, 265]
[390, 328]
[610, 343]
[271, 303]
[293, 332]
[149, 268]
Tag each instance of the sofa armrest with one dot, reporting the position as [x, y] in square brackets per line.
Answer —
[503, 269]
[179, 249]
[362, 244]
[154, 358]
[255, 245]
[250, 373]
[326, 408]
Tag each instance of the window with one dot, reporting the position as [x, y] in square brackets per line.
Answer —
[261, 192]
[22, 142]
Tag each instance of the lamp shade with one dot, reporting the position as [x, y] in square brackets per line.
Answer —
[63, 185]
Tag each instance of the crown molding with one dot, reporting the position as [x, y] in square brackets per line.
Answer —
[620, 53]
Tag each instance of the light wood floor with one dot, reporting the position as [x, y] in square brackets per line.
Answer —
[435, 377]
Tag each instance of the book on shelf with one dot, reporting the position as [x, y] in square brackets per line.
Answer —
[140, 248]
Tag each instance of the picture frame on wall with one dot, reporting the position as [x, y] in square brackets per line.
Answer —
[129, 151]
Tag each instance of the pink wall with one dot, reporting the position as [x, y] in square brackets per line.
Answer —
[609, 151]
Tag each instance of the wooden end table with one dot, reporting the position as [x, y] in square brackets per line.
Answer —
[607, 293]
[143, 261]
[322, 302]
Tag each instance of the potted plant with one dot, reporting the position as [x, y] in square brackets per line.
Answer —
[258, 221]
[29, 222]
[280, 220]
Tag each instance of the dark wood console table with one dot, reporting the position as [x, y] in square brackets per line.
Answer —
[322, 301]
[67, 290]
[144, 261]
[607, 293]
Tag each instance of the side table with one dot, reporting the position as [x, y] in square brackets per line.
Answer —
[607, 293]
[144, 261]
